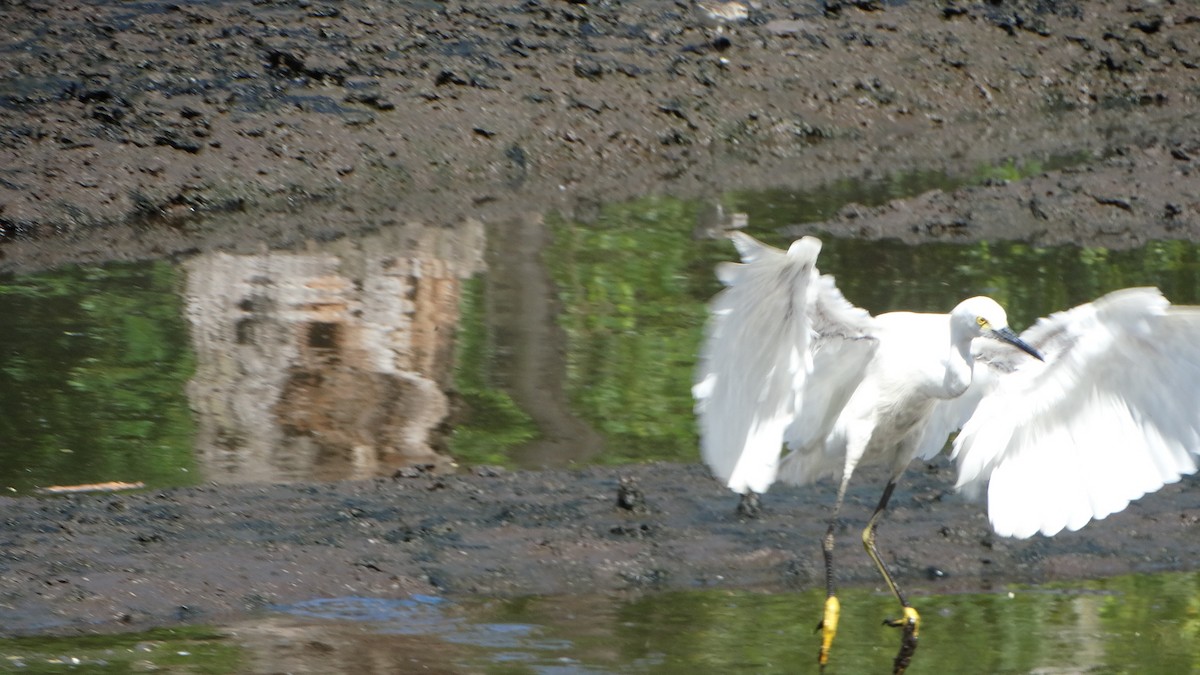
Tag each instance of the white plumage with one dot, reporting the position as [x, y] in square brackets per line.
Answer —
[1113, 412]
[1087, 410]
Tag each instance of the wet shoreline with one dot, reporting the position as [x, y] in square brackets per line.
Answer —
[121, 562]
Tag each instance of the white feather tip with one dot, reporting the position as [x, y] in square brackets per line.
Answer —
[805, 247]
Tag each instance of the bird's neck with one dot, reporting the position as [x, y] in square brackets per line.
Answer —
[959, 365]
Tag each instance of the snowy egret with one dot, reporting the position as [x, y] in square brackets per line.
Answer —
[1085, 411]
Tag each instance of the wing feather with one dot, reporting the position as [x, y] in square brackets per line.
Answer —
[842, 342]
[776, 315]
[1112, 414]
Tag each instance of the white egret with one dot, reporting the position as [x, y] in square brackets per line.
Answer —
[1085, 411]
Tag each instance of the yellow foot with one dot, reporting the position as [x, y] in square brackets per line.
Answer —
[911, 624]
[828, 628]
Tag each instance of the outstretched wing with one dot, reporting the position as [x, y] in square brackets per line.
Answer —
[1113, 413]
[841, 343]
[758, 353]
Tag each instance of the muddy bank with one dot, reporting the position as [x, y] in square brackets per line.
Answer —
[163, 130]
[123, 127]
[124, 562]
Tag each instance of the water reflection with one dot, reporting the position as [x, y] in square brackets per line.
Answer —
[336, 362]
[356, 635]
[93, 362]
[323, 364]
[1140, 623]
[327, 364]
[1137, 623]
[512, 362]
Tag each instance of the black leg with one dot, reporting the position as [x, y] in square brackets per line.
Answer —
[833, 608]
[911, 621]
[749, 506]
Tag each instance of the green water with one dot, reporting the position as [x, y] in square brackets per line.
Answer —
[93, 364]
[496, 424]
[1132, 624]
[195, 650]
[94, 361]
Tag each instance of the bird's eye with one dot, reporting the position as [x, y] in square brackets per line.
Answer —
[981, 321]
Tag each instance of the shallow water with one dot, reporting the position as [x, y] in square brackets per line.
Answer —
[331, 362]
[94, 363]
[1133, 624]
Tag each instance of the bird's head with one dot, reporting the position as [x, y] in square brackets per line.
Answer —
[983, 317]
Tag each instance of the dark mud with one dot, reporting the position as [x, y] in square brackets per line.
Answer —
[124, 562]
[163, 130]
[121, 127]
